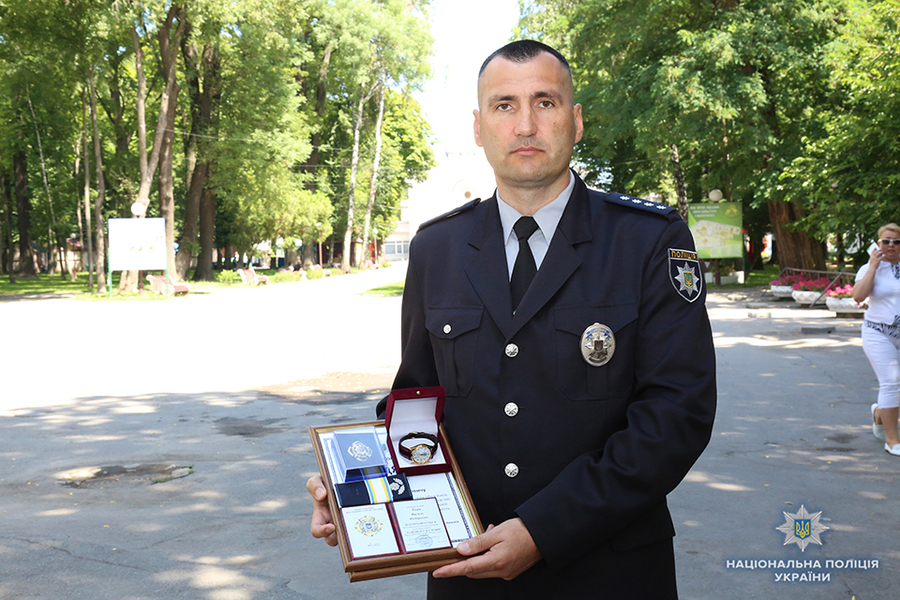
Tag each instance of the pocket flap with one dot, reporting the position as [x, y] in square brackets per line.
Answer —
[575, 319]
[448, 323]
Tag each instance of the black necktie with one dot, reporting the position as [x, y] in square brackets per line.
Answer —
[524, 269]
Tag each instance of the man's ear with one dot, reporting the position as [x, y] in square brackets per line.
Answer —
[579, 122]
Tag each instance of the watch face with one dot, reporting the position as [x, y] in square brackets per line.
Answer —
[421, 454]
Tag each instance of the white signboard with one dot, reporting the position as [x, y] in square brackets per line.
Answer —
[137, 244]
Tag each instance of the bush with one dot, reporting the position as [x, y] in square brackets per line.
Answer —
[228, 277]
[286, 276]
[315, 273]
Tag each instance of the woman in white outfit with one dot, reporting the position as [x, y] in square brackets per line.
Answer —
[879, 280]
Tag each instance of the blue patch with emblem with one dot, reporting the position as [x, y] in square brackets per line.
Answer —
[685, 273]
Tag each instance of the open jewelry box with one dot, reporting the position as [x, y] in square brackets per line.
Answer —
[380, 532]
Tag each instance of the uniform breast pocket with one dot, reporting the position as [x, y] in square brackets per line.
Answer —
[581, 381]
[454, 339]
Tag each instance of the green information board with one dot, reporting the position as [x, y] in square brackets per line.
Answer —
[717, 229]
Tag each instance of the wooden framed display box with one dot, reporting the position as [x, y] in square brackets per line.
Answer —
[457, 509]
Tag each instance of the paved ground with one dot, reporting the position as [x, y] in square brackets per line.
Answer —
[100, 400]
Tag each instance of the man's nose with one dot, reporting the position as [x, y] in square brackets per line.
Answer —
[525, 124]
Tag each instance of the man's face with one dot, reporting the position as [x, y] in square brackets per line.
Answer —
[526, 122]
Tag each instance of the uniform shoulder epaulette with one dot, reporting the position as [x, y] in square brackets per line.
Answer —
[456, 211]
[623, 200]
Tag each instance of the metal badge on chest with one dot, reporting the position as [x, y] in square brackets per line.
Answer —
[598, 344]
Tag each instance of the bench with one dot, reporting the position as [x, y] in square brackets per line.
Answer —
[249, 277]
[158, 285]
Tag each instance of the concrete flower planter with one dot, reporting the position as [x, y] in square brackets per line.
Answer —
[804, 298]
[845, 307]
[781, 291]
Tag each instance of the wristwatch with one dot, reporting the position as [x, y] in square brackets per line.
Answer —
[422, 448]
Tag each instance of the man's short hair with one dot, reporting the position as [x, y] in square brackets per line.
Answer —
[523, 51]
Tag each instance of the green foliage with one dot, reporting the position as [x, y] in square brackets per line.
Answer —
[286, 276]
[850, 176]
[228, 277]
[770, 101]
[263, 116]
[315, 274]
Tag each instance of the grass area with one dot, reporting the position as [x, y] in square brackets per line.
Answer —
[394, 289]
[54, 284]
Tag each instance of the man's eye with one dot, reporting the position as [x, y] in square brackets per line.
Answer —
[546, 103]
[503, 107]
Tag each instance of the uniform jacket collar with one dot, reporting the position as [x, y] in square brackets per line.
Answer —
[489, 266]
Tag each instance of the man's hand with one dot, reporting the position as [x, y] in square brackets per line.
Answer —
[508, 550]
[322, 522]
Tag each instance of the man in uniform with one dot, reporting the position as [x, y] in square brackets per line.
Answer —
[569, 331]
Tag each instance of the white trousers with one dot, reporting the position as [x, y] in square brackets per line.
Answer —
[883, 352]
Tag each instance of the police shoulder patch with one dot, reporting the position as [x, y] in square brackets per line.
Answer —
[456, 211]
[685, 273]
[639, 203]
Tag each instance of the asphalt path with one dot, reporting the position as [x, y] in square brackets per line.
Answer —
[159, 450]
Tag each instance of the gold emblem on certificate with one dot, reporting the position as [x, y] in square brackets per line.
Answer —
[359, 451]
[368, 525]
[598, 344]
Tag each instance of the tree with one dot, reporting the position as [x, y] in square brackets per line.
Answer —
[850, 178]
[728, 85]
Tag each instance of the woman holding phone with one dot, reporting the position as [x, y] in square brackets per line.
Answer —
[879, 281]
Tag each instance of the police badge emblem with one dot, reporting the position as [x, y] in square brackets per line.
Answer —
[598, 344]
[685, 273]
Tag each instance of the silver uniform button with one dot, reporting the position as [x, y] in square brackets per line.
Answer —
[447, 328]
[512, 350]
[511, 409]
[511, 470]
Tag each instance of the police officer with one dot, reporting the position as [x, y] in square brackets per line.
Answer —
[569, 331]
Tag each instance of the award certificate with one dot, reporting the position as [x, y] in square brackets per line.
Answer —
[442, 486]
[369, 530]
[420, 524]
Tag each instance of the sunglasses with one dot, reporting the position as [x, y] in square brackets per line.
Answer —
[890, 242]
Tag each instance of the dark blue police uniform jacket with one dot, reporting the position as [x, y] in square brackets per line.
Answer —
[583, 454]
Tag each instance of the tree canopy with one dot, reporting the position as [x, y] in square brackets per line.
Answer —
[770, 101]
[233, 120]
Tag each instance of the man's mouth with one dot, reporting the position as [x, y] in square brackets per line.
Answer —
[527, 150]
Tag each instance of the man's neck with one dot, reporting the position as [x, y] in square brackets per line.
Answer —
[527, 201]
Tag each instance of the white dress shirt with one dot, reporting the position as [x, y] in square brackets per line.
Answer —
[547, 218]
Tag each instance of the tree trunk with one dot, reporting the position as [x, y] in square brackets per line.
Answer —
[308, 254]
[8, 250]
[23, 207]
[141, 106]
[351, 201]
[53, 238]
[680, 187]
[795, 248]
[204, 270]
[373, 183]
[166, 187]
[168, 59]
[312, 162]
[101, 193]
[87, 195]
[202, 106]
